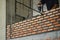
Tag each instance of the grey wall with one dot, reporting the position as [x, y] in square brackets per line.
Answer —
[2, 19]
[23, 10]
[52, 35]
[20, 10]
[10, 11]
[59, 3]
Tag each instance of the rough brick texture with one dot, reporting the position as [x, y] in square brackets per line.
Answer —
[50, 21]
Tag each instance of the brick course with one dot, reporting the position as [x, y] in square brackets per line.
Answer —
[40, 24]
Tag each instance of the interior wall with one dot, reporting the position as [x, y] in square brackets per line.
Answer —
[59, 3]
[20, 10]
[10, 11]
[2, 19]
[23, 10]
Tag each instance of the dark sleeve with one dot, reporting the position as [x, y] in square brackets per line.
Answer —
[56, 2]
[42, 1]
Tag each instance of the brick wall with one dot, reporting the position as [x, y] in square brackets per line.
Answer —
[50, 21]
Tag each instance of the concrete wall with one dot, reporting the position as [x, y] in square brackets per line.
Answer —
[2, 19]
[20, 10]
[52, 35]
[23, 10]
[10, 11]
[59, 3]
